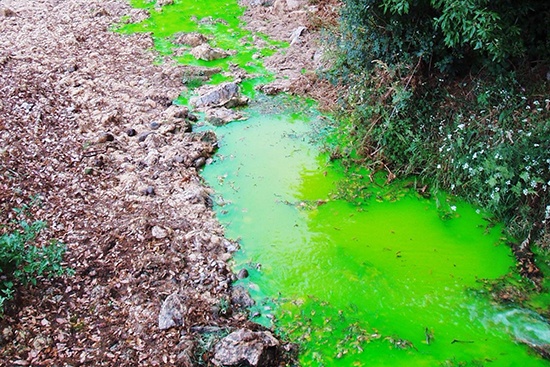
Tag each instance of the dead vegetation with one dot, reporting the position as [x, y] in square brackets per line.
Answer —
[87, 126]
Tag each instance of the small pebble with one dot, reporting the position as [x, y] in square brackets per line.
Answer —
[178, 159]
[150, 191]
[159, 232]
[143, 136]
[187, 128]
[154, 125]
[5, 12]
[105, 137]
[131, 132]
[192, 117]
[99, 162]
[181, 113]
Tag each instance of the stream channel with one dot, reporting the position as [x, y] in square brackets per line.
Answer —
[384, 282]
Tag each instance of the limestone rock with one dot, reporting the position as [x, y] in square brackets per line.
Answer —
[207, 53]
[221, 116]
[225, 94]
[246, 348]
[296, 34]
[275, 87]
[192, 39]
[240, 298]
[172, 312]
[159, 232]
[295, 4]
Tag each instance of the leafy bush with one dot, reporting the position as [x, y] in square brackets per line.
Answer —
[451, 36]
[424, 98]
[24, 263]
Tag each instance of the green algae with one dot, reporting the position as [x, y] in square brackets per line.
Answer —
[357, 275]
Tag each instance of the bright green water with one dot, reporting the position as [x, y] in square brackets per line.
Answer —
[350, 281]
[385, 284]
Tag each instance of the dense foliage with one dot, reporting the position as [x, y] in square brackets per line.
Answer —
[22, 262]
[451, 36]
[455, 92]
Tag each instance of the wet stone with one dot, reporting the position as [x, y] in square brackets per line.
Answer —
[154, 125]
[240, 298]
[243, 273]
[131, 132]
[200, 162]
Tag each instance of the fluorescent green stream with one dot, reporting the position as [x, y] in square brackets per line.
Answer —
[385, 284]
[393, 271]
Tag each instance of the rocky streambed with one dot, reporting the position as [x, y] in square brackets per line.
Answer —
[88, 128]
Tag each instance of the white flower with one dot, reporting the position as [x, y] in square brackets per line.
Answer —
[453, 208]
[525, 191]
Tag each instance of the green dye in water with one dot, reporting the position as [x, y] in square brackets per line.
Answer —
[387, 283]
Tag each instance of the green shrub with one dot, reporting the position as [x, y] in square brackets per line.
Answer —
[452, 92]
[450, 36]
[23, 263]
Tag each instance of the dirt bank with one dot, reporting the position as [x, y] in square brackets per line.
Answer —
[87, 125]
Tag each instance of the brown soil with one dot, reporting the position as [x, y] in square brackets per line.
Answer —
[132, 210]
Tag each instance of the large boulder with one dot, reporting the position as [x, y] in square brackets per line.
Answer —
[246, 348]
